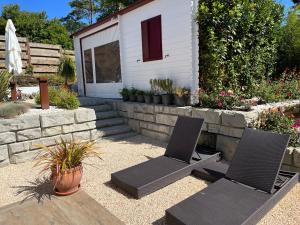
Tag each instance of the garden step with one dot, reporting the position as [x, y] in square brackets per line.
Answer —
[100, 108]
[90, 101]
[109, 122]
[122, 136]
[103, 132]
[106, 115]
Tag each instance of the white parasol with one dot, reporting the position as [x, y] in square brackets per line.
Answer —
[13, 60]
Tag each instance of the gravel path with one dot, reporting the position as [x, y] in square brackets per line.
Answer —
[20, 181]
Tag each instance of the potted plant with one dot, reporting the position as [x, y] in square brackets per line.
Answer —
[132, 94]
[155, 88]
[166, 86]
[140, 96]
[125, 94]
[148, 96]
[64, 161]
[182, 96]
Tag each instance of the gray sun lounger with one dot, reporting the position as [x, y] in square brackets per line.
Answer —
[178, 161]
[252, 185]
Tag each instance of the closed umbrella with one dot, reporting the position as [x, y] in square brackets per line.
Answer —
[13, 60]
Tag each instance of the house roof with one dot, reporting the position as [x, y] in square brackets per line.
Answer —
[106, 19]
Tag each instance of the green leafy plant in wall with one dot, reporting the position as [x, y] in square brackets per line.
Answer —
[67, 69]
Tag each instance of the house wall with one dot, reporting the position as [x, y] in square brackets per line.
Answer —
[179, 47]
[176, 42]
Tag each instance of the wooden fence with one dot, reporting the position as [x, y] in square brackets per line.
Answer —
[44, 58]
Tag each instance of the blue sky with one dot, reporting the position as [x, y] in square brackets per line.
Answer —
[60, 8]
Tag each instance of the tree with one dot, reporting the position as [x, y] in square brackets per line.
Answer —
[35, 26]
[67, 69]
[289, 49]
[72, 24]
[108, 7]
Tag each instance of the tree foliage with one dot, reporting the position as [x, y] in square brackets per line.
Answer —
[238, 42]
[289, 50]
[35, 26]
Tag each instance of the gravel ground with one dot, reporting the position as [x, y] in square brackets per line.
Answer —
[20, 181]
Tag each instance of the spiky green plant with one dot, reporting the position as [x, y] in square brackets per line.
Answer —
[65, 155]
[5, 77]
[67, 69]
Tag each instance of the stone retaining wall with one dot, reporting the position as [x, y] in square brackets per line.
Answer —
[222, 129]
[20, 136]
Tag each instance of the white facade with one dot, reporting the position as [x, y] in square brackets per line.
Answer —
[179, 44]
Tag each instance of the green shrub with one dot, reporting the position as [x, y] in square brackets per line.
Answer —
[67, 69]
[238, 42]
[124, 92]
[224, 99]
[67, 99]
[4, 84]
[53, 97]
[27, 81]
[280, 123]
[61, 97]
[12, 109]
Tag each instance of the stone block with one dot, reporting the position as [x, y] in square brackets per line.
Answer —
[231, 131]
[155, 135]
[94, 135]
[180, 111]
[213, 128]
[288, 156]
[207, 139]
[238, 119]
[209, 115]
[20, 123]
[4, 159]
[134, 124]
[83, 135]
[49, 141]
[24, 157]
[144, 117]
[52, 131]
[57, 119]
[29, 134]
[166, 119]
[227, 145]
[143, 108]
[78, 127]
[84, 115]
[19, 147]
[155, 127]
[7, 137]
[296, 157]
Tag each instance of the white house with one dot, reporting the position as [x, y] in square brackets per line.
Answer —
[149, 39]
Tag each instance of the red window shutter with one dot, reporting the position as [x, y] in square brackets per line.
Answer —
[152, 39]
[145, 41]
[155, 42]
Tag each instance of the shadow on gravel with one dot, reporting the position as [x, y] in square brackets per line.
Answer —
[39, 189]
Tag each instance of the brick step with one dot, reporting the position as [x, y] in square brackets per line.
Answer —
[100, 108]
[103, 132]
[106, 115]
[109, 122]
[122, 136]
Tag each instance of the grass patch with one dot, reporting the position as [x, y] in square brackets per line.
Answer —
[13, 109]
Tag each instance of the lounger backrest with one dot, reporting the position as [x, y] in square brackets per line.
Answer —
[184, 138]
[258, 159]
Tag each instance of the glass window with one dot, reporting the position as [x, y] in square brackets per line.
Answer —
[107, 62]
[88, 65]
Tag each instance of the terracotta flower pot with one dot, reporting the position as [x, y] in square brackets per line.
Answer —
[68, 182]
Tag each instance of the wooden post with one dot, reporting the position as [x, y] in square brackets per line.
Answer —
[44, 92]
[13, 90]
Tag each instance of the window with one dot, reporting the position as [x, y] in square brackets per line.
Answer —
[88, 65]
[107, 63]
[151, 39]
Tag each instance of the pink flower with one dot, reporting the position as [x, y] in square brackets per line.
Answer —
[220, 104]
[222, 93]
[289, 94]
